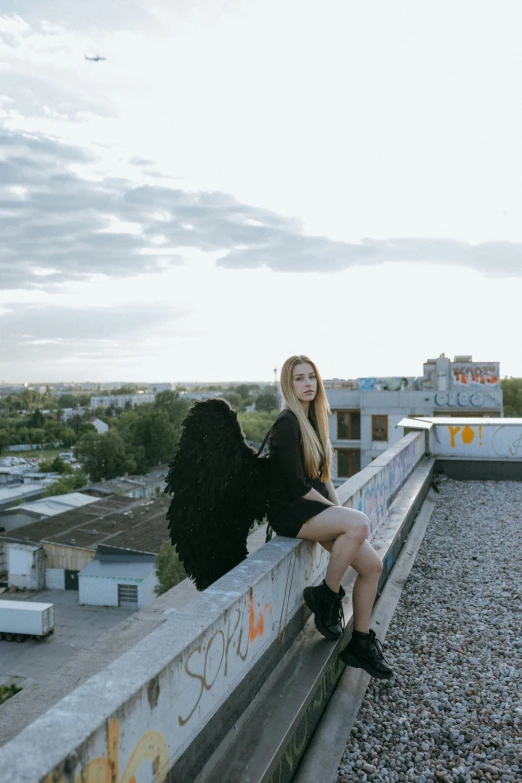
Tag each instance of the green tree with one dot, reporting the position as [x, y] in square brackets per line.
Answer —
[256, 424]
[168, 568]
[36, 436]
[266, 401]
[175, 408]
[512, 397]
[235, 400]
[75, 422]
[101, 413]
[58, 465]
[36, 419]
[243, 390]
[70, 482]
[86, 427]
[67, 401]
[5, 440]
[68, 437]
[153, 432]
[103, 456]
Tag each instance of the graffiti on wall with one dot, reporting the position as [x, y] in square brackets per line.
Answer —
[391, 384]
[488, 441]
[467, 399]
[151, 747]
[375, 497]
[467, 435]
[471, 374]
[294, 751]
[209, 662]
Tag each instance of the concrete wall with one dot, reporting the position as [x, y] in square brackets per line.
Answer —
[374, 489]
[146, 592]
[188, 672]
[491, 439]
[103, 590]
[478, 399]
[67, 557]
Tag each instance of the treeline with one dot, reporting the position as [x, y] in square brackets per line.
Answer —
[512, 389]
[138, 438]
[146, 436]
[42, 429]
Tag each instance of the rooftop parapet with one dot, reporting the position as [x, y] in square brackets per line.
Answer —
[199, 670]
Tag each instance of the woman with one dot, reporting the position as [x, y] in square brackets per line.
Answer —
[303, 504]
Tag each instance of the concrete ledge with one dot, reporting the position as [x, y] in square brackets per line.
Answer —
[268, 747]
[144, 711]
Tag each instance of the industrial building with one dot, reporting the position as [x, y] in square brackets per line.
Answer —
[366, 411]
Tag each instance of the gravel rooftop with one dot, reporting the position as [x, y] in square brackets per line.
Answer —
[453, 711]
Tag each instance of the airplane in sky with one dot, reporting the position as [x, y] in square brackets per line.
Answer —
[95, 59]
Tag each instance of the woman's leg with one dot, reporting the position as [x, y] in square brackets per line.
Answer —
[348, 527]
[368, 565]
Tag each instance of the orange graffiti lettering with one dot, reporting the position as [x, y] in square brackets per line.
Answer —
[454, 431]
[257, 628]
[468, 436]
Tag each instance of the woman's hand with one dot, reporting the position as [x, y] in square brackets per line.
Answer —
[332, 494]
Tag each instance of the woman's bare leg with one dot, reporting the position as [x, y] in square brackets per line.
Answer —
[368, 565]
[348, 527]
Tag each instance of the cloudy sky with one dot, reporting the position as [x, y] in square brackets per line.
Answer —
[241, 180]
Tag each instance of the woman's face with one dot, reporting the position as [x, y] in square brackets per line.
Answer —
[304, 382]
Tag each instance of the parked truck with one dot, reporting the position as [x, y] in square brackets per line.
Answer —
[21, 620]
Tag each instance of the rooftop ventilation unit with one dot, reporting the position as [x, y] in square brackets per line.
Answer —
[463, 359]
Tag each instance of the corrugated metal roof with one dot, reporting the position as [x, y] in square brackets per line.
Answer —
[118, 521]
[57, 504]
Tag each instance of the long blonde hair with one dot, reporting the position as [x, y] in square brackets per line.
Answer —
[316, 441]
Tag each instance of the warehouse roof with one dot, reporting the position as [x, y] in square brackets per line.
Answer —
[117, 521]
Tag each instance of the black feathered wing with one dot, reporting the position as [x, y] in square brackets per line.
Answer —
[218, 487]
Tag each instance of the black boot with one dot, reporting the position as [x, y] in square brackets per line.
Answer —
[364, 651]
[327, 608]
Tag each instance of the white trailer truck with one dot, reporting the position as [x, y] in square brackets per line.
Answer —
[20, 620]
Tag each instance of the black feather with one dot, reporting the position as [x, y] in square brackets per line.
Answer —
[219, 490]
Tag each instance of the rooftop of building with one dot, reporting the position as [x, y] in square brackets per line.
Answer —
[124, 484]
[121, 522]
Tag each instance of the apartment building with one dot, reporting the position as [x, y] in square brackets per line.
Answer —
[366, 411]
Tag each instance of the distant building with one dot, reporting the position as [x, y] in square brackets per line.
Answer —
[366, 411]
[18, 516]
[121, 400]
[138, 487]
[122, 535]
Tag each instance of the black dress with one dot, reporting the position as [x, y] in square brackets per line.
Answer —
[288, 510]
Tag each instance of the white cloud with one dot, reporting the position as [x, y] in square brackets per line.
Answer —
[222, 142]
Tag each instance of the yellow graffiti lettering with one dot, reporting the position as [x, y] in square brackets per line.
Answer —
[468, 436]
[453, 431]
[151, 746]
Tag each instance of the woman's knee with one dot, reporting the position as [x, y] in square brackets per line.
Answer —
[357, 524]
